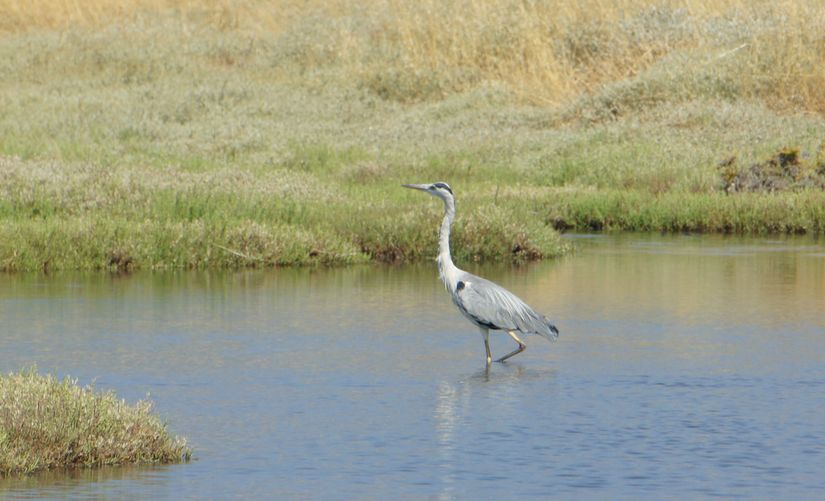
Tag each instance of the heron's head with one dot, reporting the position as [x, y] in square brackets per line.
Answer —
[440, 190]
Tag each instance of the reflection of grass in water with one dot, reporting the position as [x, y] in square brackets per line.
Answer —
[46, 424]
[155, 137]
[66, 478]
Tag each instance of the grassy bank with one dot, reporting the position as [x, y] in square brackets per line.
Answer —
[47, 424]
[162, 134]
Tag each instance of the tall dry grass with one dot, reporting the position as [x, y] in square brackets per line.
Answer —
[547, 52]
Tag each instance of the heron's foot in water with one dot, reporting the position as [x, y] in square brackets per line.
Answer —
[518, 350]
[521, 347]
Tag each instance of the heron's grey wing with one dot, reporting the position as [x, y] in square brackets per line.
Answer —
[495, 306]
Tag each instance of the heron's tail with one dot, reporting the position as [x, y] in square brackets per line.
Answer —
[554, 331]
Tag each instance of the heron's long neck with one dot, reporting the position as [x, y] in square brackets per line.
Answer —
[446, 269]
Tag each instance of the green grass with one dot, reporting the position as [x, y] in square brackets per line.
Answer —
[77, 216]
[47, 424]
[167, 144]
[798, 213]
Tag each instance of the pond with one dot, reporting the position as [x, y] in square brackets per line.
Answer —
[687, 366]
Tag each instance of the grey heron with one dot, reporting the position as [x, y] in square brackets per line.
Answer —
[487, 305]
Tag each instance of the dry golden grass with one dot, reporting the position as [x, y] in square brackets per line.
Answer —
[21, 15]
[547, 52]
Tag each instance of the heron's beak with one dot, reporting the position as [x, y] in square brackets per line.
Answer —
[422, 187]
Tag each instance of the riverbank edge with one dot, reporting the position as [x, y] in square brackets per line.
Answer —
[512, 229]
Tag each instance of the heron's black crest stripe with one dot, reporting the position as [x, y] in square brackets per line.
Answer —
[443, 186]
[459, 286]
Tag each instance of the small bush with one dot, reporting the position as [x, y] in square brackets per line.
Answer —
[786, 170]
[46, 423]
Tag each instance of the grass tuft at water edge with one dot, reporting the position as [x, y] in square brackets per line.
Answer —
[46, 423]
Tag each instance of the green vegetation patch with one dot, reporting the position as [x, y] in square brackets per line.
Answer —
[281, 138]
[76, 215]
[46, 423]
[748, 213]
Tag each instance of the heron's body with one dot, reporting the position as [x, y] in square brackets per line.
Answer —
[487, 305]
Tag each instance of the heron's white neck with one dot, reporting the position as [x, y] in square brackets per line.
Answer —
[446, 269]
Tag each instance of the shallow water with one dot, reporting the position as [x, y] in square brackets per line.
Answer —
[691, 366]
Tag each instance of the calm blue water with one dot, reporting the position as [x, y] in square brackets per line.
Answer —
[687, 366]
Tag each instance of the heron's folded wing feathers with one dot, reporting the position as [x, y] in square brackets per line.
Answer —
[495, 305]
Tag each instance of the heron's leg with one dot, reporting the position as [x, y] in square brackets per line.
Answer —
[521, 347]
[486, 335]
